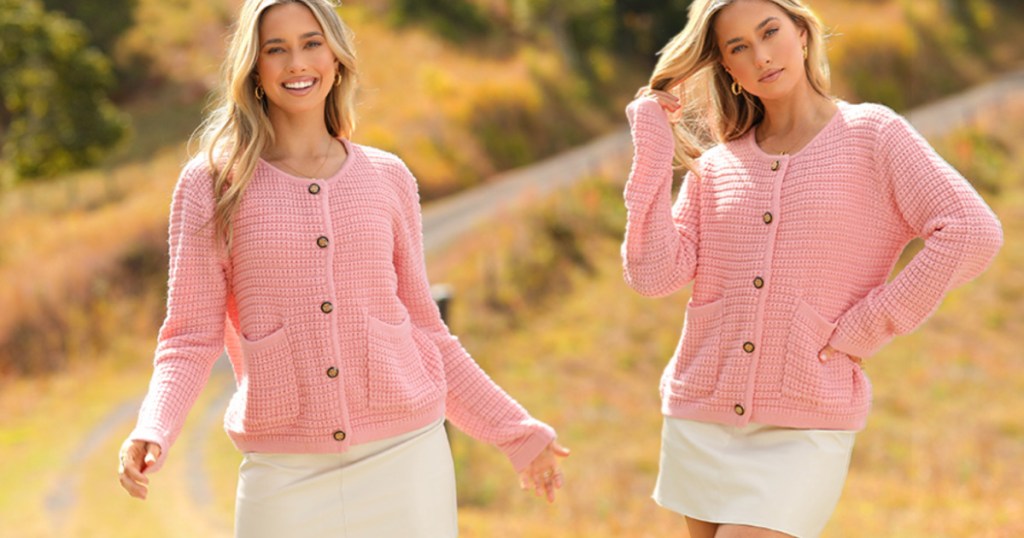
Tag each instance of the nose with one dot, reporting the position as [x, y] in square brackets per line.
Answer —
[762, 58]
[296, 64]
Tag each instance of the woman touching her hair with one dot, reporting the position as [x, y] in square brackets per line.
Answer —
[301, 253]
[788, 227]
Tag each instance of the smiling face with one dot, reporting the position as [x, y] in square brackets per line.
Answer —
[762, 48]
[295, 66]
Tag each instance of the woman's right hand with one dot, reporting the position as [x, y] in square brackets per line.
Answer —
[135, 458]
[668, 101]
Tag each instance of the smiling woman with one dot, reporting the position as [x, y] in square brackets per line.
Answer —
[312, 276]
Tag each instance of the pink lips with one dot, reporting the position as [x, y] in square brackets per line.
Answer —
[771, 76]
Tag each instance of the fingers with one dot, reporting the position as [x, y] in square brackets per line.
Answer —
[543, 484]
[559, 450]
[669, 102]
[152, 454]
[134, 455]
[828, 352]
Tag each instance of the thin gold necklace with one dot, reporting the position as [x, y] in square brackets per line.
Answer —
[327, 153]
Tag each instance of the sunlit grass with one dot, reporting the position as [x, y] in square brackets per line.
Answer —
[940, 456]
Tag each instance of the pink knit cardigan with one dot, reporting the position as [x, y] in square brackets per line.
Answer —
[326, 314]
[789, 253]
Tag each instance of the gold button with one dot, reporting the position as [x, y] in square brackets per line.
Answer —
[748, 347]
[768, 218]
[332, 372]
[758, 282]
[326, 308]
[322, 242]
[739, 410]
[314, 188]
[775, 166]
[339, 435]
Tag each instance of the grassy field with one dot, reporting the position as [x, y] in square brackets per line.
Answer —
[540, 302]
[939, 458]
[548, 315]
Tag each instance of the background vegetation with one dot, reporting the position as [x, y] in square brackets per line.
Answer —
[461, 90]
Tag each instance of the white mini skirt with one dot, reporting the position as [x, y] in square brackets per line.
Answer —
[784, 479]
[401, 487]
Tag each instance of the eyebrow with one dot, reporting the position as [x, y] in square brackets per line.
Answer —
[759, 26]
[306, 35]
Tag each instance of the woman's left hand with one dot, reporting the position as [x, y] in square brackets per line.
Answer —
[543, 475]
[828, 352]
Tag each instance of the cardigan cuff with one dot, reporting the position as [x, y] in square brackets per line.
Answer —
[855, 348]
[653, 140]
[522, 454]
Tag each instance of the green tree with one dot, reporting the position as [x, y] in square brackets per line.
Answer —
[55, 114]
[645, 26]
[106, 20]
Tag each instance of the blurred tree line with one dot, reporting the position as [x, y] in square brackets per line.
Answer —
[56, 114]
[578, 28]
[64, 63]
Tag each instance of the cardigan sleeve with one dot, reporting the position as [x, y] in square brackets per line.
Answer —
[192, 336]
[659, 253]
[474, 403]
[961, 237]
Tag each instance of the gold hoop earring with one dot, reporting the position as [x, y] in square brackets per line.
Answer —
[337, 78]
[736, 88]
[805, 52]
[259, 93]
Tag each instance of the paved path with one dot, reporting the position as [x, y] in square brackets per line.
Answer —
[447, 220]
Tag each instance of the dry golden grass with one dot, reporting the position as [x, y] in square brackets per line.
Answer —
[940, 456]
[940, 460]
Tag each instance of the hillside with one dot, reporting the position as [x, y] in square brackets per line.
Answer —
[539, 297]
[540, 302]
[82, 256]
[939, 457]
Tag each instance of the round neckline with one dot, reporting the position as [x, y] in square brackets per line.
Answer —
[751, 136]
[337, 173]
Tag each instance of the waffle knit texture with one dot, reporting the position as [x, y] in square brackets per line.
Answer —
[790, 253]
[325, 310]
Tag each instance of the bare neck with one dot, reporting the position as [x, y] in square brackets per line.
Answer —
[791, 121]
[298, 137]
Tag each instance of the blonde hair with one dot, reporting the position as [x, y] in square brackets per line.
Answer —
[691, 65]
[238, 130]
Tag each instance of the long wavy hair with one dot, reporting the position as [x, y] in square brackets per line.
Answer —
[691, 66]
[238, 130]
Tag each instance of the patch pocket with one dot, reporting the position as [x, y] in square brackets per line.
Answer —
[806, 379]
[397, 379]
[698, 357]
[269, 387]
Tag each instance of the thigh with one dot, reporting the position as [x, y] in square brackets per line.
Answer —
[700, 529]
[746, 531]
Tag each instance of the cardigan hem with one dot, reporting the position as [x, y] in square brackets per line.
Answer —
[288, 443]
[783, 418]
